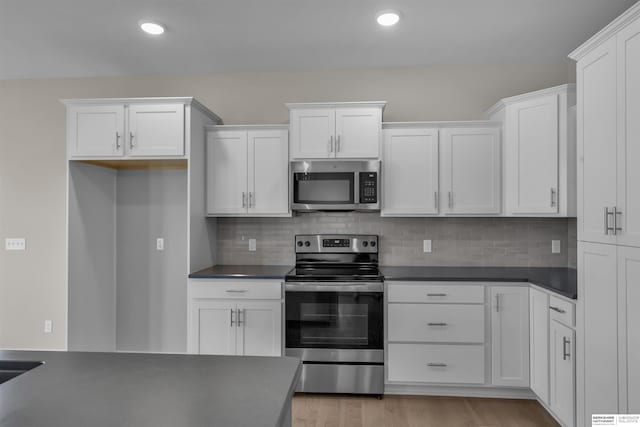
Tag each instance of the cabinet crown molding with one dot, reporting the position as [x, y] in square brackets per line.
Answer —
[294, 105]
[607, 32]
[186, 100]
[568, 88]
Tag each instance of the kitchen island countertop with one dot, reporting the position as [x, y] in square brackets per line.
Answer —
[76, 389]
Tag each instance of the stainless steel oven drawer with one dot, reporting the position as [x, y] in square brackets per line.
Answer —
[341, 378]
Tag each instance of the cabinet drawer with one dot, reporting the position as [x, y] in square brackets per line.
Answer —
[436, 323]
[436, 363]
[235, 289]
[435, 292]
[562, 311]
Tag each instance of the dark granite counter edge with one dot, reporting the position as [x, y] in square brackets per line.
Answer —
[236, 276]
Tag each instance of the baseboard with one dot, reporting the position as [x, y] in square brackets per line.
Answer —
[460, 391]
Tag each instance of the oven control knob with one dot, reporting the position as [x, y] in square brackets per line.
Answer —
[299, 242]
[307, 243]
[365, 243]
[373, 243]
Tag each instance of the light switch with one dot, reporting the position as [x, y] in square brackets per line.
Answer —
[48, 326]
[15, 244]
[426, 246]
[160, 244]
[555, 246]
[252, 245]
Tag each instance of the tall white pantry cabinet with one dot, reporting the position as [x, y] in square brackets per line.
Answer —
[608, 108]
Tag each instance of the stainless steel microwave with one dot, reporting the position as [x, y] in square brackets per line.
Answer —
[335, 185]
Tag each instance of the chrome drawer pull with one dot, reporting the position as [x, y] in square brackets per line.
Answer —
[231, 318]
[437, 365]
[559, 310]
[616, 212]
[236, 291]
[437, 324]
[436, 295]
[607, 229]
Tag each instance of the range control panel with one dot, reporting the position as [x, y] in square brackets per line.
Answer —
[368, 187]
[336, 243]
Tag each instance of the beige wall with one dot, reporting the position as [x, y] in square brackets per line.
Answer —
[32, 151]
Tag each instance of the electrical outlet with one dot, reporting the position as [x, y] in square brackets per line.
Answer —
[426, 246]
[555, 246]
[48, 326]
[160, 244]
[15, 244]
[252, 245]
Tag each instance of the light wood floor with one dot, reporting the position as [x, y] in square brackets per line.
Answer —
[416, 411]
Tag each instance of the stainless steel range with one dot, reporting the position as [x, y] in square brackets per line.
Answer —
[334, 314]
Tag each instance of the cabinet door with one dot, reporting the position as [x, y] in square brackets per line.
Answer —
[227, 172]
[539, 343]
[629, 288]
[410, 172]
[213, 327]
[268, 172]
[531, 150]
[313, 133]
[629, 135]
[358, 132]
[260, 328]
[510, 336]
[563, 370]
[156, 130]
[597, 320]
[96, 131]
[596, 75]
[470, 170]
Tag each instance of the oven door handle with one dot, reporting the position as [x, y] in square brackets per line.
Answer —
[333, 287]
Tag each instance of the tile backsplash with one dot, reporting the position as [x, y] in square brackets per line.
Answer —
[519, 242]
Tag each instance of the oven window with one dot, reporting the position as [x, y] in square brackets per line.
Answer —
[324, 188]
[334, 320]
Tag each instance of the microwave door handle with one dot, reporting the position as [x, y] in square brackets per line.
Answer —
[356, 190]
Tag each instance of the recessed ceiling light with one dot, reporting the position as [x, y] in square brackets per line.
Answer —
[388, 18]
[152, 28]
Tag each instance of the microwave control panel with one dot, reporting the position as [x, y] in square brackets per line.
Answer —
[368, 187]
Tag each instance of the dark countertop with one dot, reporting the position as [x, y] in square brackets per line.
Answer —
[560, 280]
[276, 272]
[74, 389]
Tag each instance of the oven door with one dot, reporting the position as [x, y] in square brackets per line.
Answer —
[334, 323]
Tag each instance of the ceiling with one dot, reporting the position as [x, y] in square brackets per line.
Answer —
[64, 38]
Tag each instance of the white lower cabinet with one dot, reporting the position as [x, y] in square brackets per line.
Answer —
[510, 336]
[539, 344]
[225, 319]
[562, 379]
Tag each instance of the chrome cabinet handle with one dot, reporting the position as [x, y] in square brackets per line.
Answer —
[236, 291]
[553, 197]
[438, 364]
[118, 145]
[131, 136]
[251, 199]
[565, 353]
[241, 320]
[615, 220]
[559, 310]
[244, 199]
[497, 303]
[338, 143]
[606, 221]
[437, 295]
[231, 318]
[435, 199]
[450, 200]
[436, 324]
[331, 144]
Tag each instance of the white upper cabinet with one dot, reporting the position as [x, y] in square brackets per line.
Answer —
[539, 152]
[336, 130]
[131, 128]
[510, 336]
[96, 130]
[410, 172]
[470, 170]
[156, 130]
[247, 171]
[628, 125]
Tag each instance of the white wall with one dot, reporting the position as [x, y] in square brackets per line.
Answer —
[32, 151]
